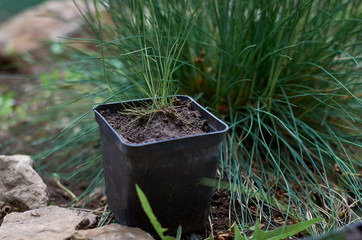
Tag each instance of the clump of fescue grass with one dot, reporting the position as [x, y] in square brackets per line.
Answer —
[284, 75]
[150, 55]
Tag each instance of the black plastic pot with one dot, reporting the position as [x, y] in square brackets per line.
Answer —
[167, 171]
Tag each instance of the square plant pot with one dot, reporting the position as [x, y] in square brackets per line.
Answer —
[168, 171]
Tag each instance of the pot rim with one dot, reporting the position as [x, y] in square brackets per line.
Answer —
[215, 132]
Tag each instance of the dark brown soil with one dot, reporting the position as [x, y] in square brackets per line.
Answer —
[142, 125]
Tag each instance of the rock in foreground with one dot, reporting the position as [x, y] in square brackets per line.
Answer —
[20, 185]
[45, 223]
[112, 232]
[61, 223]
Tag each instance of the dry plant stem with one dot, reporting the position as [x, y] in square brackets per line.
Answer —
[105, 217]
[110, 218]
[211, 226]
[98, 210]
[70, 193]
[354, 204]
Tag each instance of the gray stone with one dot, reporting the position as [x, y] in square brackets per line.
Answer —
[64, 224]
[20, 185]
[112, 232]
[45, 223]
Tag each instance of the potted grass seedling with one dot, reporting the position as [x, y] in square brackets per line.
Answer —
[165, 143]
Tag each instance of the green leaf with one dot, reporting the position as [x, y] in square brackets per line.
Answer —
[148, 210]
[282, 232]
[211, 236]
[237, 233]
[168, 238]
[179, 233]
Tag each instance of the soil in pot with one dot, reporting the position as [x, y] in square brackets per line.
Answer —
[142, 125]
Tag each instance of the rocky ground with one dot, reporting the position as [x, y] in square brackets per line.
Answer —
[42, 208]
[25, 214]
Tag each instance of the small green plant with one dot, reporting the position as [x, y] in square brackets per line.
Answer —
[155, 51]
[155, 223]
[276, 234]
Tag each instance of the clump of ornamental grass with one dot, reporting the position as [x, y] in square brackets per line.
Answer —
[151, 52]
[285, 75]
